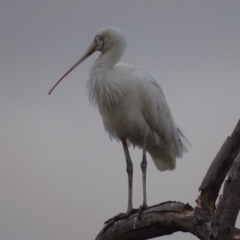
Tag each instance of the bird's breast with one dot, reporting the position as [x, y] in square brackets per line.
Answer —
[104, 90]
[126, 120]
[116, 93]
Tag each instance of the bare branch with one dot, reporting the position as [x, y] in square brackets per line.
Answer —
[218, 171]
[159, 220]
[226, 214]
[169, 217]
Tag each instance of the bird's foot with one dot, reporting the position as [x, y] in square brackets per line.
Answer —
[110, 222]
[140, 210]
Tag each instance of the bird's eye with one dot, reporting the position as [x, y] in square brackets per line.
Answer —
[100, 38]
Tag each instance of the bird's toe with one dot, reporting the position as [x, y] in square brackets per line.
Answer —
[121, 216]
[140, 211]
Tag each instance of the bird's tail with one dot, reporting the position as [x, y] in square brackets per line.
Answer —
[181, 143]
[163, 159]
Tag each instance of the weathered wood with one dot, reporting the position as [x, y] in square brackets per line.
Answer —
[169, 217]
[218, 171]
[159, 220]
[227, 211]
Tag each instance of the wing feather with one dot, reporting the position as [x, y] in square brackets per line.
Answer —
[157, 114]
[156, 110]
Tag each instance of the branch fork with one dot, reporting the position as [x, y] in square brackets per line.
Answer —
[206, 221]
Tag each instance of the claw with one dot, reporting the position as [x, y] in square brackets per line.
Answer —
[141, 209]
[110, 222]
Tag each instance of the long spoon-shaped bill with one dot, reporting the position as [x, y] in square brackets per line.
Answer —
[91, 49]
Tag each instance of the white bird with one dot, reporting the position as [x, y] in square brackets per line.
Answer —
[133, 107]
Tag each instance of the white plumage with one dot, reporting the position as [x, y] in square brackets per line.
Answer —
[131, 103]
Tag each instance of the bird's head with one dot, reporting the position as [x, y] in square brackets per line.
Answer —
[109, 38]
[106, 39]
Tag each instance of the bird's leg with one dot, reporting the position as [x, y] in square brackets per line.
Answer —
[130, 209]
[144, 173]
[130, 174]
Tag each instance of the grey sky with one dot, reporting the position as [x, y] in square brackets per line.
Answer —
[61, 177]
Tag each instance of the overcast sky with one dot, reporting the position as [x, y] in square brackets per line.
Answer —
[60, 176]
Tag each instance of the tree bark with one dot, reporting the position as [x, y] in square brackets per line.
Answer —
[218, 171]
[226, 214]
[204, 221]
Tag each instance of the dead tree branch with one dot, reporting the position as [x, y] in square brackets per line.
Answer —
[227, 211]
[218, 171]
[203, 221]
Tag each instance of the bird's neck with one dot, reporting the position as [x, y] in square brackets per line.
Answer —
[104, 88]
[109, 58]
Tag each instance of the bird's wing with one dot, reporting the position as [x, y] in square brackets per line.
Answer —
[155, 108]
[158, 116]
